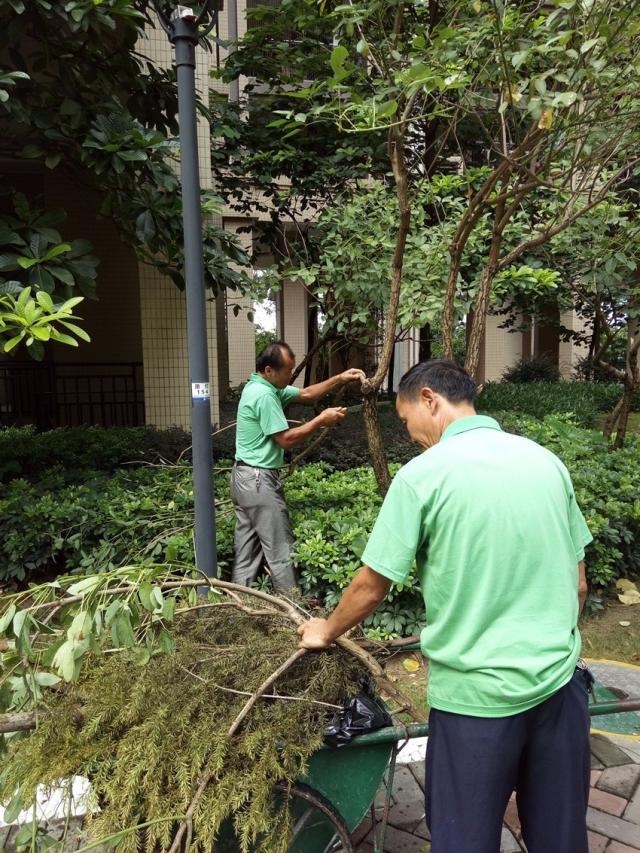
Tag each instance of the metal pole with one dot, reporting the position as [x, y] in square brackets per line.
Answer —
[232, 33]
[183, 33]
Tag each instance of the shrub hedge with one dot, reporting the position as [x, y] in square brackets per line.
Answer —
[146, 513]
[585, 400]
[27, 454]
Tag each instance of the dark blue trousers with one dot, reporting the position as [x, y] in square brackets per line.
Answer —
[475, 763]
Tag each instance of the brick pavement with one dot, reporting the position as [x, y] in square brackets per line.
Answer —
[613, 817]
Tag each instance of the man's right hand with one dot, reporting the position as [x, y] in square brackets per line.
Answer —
[332, 416]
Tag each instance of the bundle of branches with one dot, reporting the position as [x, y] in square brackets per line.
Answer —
[184, 714]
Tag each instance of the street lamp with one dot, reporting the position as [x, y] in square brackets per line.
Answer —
[185, 29]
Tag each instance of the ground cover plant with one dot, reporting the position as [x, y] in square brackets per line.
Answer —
[145, 513]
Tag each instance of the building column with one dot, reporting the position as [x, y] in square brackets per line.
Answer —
[292, 313]
[571, 353]
[241, 330]
[165, 354]
[501, 349]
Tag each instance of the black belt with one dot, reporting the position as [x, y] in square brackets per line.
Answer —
[242, 464]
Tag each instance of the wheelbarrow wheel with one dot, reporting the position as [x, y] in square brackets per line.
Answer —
[318, 827]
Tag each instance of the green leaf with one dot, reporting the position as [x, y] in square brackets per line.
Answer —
[77, 330]
[80, 627]
[18, 622]
[52, 160]
[142, 656]
[36, 350]
[144, 594]
[124, 631]
[26, 263]
[45, 300]
[14, 808]
[7, 618]
[166, 641]
[84, 586]
[13, 342]
[589, 44]
[145, 226]
[387, 109]
[168, 609]
[46, 679]
[57, 250]
[64, 661]
[63, 275]
[338, 57]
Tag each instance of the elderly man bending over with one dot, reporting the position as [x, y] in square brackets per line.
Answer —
[493, 525]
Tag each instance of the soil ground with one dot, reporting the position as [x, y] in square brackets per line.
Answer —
[603, 637]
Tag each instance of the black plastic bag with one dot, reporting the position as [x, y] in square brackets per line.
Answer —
[364, 713]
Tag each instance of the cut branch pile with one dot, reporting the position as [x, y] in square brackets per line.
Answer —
[192, 742]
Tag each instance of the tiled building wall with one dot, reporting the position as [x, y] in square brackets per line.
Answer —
[501, 349]
[163, 307]
[241, 331]
[571, 353]
[292, 307]
[113, 321]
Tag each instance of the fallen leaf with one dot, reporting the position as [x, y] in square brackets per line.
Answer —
[631, 597]
[625, 585]
[411, 665]
[624, 623]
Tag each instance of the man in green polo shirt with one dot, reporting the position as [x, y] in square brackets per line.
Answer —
[491, 521]
[263, 530]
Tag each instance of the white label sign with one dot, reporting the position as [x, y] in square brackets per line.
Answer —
[200, 391]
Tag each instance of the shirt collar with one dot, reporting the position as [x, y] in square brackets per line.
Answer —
[469, 423]
[255, 377]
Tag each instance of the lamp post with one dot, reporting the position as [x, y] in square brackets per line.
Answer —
[184, 30]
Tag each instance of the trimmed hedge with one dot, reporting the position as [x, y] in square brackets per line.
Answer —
[585, 400]
[147, 513]
[28, 454]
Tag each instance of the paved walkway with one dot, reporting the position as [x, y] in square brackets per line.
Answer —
[613, 817]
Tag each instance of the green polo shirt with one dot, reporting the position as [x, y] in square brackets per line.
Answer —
[492, 522]
[260, 416]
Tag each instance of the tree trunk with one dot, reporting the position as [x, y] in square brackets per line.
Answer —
[312, 336]
[390, 372]
[371, 387]
[377, 454]
[424, 353]
[632, 379]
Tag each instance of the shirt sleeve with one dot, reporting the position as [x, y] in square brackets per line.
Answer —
[288, 395]
[397, 533]
[270, 415]
[580, 533]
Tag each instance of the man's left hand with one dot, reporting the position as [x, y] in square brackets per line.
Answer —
[314, 634]
[354, 374]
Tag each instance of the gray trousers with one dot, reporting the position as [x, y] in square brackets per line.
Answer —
[263, 529]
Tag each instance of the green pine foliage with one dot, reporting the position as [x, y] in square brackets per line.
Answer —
[145, 734]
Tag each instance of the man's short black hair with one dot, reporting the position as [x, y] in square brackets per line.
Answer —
[442, 376]
[273, 356]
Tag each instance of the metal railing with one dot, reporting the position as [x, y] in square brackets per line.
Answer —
[82, 394]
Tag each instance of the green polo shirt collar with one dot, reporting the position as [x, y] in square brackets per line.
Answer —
[469, 423]
[255, 377]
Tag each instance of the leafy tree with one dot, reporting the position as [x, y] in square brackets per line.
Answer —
[81, 99]
[543, 96]
[601, 262]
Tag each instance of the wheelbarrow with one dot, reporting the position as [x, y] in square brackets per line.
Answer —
[339, 789]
